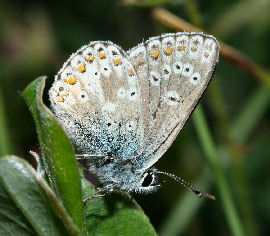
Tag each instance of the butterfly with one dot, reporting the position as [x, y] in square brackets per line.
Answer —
[122, 110]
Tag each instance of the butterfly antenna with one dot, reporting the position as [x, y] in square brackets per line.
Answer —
[188, 186]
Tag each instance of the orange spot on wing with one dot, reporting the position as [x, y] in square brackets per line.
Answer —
[66, 94]
[182, 48]
[71, 80]
[193, 49]
[102, 55]
[117, 61]
[60, 99]
[168, 51]
[81, 68]
[90, 58]
[154, 53]
[130, 71]
[139, 62]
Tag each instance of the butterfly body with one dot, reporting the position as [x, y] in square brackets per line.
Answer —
[124, 109]
[124, 175]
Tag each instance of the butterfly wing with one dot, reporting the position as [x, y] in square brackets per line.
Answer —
[97, 100]
[173, 70]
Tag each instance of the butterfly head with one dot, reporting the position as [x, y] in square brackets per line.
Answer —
[148, 182]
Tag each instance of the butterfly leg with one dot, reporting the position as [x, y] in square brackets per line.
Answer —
[99, 160]
[87, 156]
[101, 192]
[40, 165]
[104, 161]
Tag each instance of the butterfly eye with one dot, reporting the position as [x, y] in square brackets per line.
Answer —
[147, 180]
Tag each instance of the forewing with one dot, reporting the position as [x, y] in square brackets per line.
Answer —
[97, 100]
[174, 70]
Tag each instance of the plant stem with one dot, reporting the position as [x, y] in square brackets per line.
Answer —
[212, 157]
[5, 146]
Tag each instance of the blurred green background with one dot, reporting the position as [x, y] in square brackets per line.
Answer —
[36, 37]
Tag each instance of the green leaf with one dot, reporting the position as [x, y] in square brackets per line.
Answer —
[115, 214]
[24, 206]
[60, 163]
